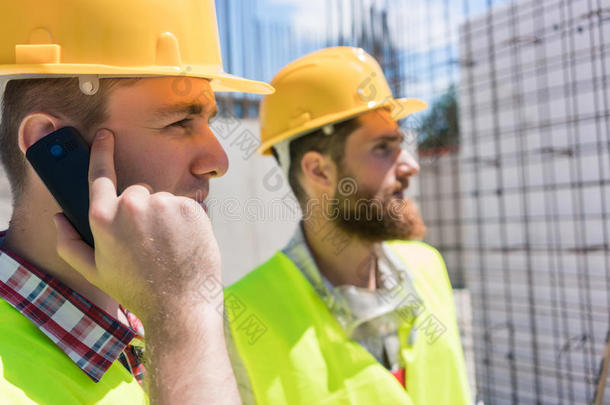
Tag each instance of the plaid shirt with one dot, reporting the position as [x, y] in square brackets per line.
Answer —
[88, 335]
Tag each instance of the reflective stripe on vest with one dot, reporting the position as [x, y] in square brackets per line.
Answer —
[295, 351]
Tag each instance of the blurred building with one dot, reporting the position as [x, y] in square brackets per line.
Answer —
[258, 37]
[534, 170]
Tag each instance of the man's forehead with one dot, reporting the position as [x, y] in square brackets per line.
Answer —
[166, 96]
[380, 118]
[181, 95]
[377, 124]
[192, 107]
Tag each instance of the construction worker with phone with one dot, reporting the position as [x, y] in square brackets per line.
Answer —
[126, 322]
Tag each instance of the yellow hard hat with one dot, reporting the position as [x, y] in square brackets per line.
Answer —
[115, 38]
[325, 87]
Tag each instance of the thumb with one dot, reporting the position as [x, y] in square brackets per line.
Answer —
[72, 249]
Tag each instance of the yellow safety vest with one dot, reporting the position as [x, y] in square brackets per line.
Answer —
[295, 352]
[33, 370]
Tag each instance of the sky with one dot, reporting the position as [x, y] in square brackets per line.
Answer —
[307, 15]
[275, 32]
[308, 18]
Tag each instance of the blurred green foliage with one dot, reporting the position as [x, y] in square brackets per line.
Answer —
[439, 129]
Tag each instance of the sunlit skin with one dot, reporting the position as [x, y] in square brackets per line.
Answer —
[173, 152]
[375, 158]
[382, 168]
[163, 136]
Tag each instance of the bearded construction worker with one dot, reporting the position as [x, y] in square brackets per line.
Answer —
[127, 322]
[353, 310]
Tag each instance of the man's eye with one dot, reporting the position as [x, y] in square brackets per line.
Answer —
[382, 147]
[182, 123]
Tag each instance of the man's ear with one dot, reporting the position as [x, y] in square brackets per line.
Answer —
[34, 127]
[319, 171]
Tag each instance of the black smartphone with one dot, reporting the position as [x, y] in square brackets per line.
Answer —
[61, 160]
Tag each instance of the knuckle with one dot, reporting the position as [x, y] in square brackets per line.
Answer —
[190, 209]
[98, 215]
[143, 187]
[131, 202]
[161, 201]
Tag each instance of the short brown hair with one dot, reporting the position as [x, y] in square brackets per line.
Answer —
[332, 145]
[59, 96]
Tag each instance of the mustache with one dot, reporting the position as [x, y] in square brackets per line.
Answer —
[399, 187]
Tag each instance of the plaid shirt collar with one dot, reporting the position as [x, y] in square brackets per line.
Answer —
[88, 335]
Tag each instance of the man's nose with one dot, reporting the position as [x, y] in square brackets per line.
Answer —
[407, 165]
[211, 158]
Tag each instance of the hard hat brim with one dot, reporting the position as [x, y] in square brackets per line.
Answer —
[229, 83]
[408, 106]
[399, 109]
[219, 80]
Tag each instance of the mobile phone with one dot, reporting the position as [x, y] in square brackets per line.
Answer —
[61, 160]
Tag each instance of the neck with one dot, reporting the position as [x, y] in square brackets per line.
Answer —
[32, 236]
[342, 258]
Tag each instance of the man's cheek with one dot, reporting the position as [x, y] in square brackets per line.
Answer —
[121, 182]
[129, 173]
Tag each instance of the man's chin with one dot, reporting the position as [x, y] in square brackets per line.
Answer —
[401, 220]
[406, 220]
[407, 231]
[382, 231]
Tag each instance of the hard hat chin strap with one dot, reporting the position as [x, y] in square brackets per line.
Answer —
[282, 150]
[3, 83]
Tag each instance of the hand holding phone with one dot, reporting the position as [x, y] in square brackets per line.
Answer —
[152, 250]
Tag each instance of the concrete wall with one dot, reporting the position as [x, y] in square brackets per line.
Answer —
[252, 208]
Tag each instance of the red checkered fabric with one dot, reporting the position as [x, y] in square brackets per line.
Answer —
[88, 335]
[133, 354]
